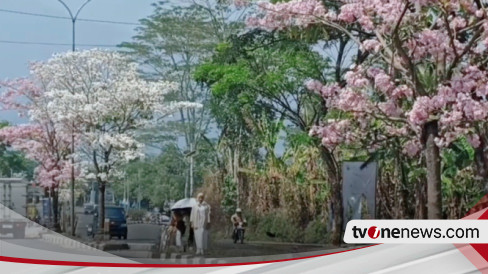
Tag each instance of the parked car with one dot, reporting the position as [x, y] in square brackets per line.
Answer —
[89, 208]
[117, 222]
[164, 220]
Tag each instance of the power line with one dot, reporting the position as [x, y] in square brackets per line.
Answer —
[53, 44]
[67, 18]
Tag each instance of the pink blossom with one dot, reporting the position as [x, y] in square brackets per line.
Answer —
[349, 100]
[330, 90]
[356, 79]
[373, 71]
[397, 131]
[349, 13]
[451, 119]
[482, 90]
[420, 111]
[295, 13]
[432, 44]
[402, 91]
[371, 45]
[474, 110]
[457, 23]
[366, 23]
[474, 140]
[438, 102]
[479, 13]
[412, 148]
[383, 82]
[40, 143]
[383, 85]
[335, 133]
[314, 85]
[390, 108]
[449, 137]
[447, 93]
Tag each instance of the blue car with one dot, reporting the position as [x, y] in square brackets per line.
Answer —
[117, 222]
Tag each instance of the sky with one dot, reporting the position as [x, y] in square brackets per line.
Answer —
[15, 27]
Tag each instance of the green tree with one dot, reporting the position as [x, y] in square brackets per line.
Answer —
[257, 82]
[13, 162]
[170, 44]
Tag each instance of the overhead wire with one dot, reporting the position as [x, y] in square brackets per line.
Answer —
[68, 18]
[54, 44]
[63, 18]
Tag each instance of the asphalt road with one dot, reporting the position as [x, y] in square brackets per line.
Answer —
[81, 225]
[44, 246]
[39, 249]
[142, 238]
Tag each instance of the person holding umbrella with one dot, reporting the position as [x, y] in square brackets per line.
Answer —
[200, 223]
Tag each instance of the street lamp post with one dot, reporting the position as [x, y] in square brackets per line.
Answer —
[73, 18]
[73, 21]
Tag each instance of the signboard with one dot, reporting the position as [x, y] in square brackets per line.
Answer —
[359, 190]
[46, 208]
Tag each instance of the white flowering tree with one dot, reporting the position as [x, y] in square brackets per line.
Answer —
[99, 96]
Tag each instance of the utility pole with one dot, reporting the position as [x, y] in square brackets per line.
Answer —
[73, 21]
[139, 196]
[191, 170]
[191, 154]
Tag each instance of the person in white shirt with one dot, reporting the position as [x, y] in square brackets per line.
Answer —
[200, 223]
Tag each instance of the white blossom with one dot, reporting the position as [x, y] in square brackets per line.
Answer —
[99, 95]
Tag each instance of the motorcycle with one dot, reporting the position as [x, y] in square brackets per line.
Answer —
[239, 233]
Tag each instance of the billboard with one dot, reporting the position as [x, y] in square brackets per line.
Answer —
[359, 190]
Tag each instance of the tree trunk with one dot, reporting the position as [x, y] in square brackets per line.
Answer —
[191, 171]
[101, 208]
[236, 176]
[55, 206]
[481, 161]
[336, 206]
[433, 165]
[338, 210]
[421, 201]
[186, 184]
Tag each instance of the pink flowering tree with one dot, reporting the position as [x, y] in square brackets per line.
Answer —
[422, 77]
[40, 140]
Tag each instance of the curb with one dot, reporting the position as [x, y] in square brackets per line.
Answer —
[146, 222]
[134, 222]
[191, 259]
[69, 243]
[142, 246]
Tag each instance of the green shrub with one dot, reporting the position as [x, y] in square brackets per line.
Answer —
[283, 227]
[316, 232]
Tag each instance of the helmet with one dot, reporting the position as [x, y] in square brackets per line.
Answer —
[238, 210]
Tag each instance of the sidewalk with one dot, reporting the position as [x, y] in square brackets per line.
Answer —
[225, 251]
[68, 242]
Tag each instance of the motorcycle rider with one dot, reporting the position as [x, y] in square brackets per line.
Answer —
[239, 222]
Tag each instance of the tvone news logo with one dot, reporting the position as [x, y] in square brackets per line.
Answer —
[416, 231]
[373, 232]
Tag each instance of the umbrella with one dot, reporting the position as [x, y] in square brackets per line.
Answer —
[184, 204]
